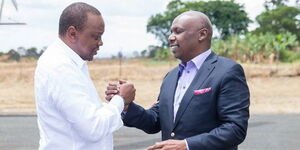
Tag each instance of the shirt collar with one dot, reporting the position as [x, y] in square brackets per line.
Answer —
[197, 61]
[72, 54]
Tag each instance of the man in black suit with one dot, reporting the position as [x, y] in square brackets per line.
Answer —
[204, 102]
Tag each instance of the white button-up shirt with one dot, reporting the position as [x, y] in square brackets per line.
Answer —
[70, 114]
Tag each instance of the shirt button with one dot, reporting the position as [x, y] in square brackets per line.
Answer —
[183, 87]
[188, 71]
[172, 134]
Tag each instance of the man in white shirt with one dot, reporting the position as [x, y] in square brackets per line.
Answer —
[70, 114]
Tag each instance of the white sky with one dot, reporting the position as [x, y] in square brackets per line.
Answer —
[125, 21]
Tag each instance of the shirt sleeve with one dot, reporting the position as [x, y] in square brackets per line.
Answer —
[187, 145]
[118, 102]
[73, 99]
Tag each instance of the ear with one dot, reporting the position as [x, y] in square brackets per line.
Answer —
[203, 33]
[72, 34]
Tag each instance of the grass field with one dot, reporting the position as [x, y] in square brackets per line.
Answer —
[274, 88]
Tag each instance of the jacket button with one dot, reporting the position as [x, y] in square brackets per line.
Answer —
[172, 134]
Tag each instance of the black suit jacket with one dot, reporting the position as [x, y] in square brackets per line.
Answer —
[215, 120]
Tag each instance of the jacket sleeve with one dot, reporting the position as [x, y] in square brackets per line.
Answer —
[233, 112]
[146, 120]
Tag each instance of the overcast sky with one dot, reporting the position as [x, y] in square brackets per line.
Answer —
[125, 20]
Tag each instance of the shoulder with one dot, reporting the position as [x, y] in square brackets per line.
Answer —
[226, 64]
[229, 70]
[53, 60]
[224, 68]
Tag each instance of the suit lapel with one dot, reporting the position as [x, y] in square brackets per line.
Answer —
[202, 74]
[170, 92]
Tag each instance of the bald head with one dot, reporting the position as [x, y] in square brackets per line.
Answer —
[191, 34]
[199, 20]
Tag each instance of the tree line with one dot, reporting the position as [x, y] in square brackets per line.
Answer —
[22, 52]
[275, 39]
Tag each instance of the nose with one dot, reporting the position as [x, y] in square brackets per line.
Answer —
[171, 38]
[100, 43]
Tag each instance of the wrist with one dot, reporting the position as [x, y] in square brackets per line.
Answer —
[118, 101]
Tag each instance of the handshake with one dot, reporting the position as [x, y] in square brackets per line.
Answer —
[124, 89]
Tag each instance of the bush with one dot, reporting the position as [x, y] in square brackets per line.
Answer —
[258, 48]
[162, 54]
[289, 56]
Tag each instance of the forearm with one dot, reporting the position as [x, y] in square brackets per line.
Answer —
[223, 137]
[77, 102]
[92, 122]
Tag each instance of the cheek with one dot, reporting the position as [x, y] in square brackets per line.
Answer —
[191, 42]
[89, 45]
[93, 43]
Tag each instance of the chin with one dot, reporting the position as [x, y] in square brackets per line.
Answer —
[88, 59]
[176, 56]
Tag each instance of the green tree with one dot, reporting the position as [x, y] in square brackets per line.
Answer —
[159, 24]
[32, 53]
[153, 50]
[273, 4]
[144, 53]
[162, 54]
[279, 20]
[227, 17]
[13, 55]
